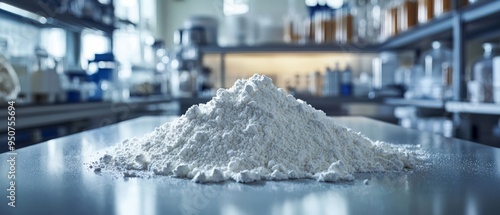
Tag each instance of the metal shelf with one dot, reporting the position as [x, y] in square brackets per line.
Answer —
[480, 10]
[267, 48]
[40, 115]
[476, 108]
[438, 28]
[54, 18]
[423, 103]
[126, 22]
[481, 20]
[143, 67]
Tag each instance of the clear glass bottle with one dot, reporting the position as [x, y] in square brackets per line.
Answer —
[383, 68]
[306, 33]
[293, 25]
[329, 23]
[315, 83]
[374, 21]
[425, 10]
[318, 27]
[402, 76]
[331, 81]
[481, 84]
[441, 7]
[361, 12]
[414, 90]
[390, 17]
[344, 31]
[408, 15]
[346, 82]
[368, 20]
[437, 64]
[339, 26]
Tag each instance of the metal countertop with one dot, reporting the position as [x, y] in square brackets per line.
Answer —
[461, 178]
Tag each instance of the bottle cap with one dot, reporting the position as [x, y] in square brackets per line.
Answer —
[488, 47]
[436, 44]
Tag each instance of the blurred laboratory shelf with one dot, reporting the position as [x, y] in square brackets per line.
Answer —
[44, 14]
[36, 122]
[422, 103]
[480, 10]
[439, 28]
[474, 108]
[289, 48]
[29, 116]
[481, 20]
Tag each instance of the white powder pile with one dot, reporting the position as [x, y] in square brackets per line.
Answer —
[254, 131]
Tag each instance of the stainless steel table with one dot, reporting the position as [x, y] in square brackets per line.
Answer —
[461, 178]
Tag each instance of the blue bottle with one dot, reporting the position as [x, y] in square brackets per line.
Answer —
[346, 82]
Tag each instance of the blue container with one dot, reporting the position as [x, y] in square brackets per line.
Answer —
[73, 96]
[346, 90]
[102, 74]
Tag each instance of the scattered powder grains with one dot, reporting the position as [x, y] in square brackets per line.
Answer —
[254, 131]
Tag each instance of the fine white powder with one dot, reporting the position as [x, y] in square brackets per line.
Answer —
[254, 131]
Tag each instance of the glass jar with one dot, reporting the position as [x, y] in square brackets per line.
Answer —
[383, 68]
[414, 90]
[480, 86]
[437, 68]
[183, 84]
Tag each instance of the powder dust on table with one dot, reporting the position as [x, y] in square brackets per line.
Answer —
[254, 131]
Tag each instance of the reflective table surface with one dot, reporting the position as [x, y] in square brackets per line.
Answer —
[460, 178]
